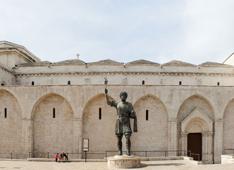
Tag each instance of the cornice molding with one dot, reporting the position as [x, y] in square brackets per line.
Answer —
[126, 73]
[20, 53]
[6, 70]
[7, 46]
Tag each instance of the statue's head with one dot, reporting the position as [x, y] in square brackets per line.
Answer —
[123, 95]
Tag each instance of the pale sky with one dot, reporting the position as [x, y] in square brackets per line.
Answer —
[194, 31]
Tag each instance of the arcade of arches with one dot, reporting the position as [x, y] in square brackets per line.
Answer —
[55, 127]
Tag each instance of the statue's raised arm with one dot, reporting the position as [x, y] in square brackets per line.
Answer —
[110, 101]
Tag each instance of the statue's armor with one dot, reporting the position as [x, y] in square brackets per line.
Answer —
[124, 110]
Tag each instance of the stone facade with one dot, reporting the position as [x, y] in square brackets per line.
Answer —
[51, 107]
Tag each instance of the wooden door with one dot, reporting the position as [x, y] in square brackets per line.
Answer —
[195, 146]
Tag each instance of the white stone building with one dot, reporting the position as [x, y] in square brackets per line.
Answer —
[51, 107]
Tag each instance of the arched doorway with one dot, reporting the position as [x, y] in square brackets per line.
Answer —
[197, 136]
[52, 126]
[195, 128]
[152, 132]
[10, 126]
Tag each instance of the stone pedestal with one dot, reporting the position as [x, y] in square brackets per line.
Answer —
[123, 161]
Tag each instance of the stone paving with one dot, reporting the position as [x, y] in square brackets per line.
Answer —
[149, 165]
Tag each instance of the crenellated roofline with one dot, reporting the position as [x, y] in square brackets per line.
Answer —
[34, 61]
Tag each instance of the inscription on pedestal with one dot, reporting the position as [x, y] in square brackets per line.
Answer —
[125, 161]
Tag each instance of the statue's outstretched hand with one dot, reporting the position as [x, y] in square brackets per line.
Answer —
[106, 91]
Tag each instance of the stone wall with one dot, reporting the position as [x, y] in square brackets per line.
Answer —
[99, 125]
[153, 129]
[10, 125]
[52, 125]
[7, 77]
[124, 75]
[228, 128]
[30, 112]
[10, 59]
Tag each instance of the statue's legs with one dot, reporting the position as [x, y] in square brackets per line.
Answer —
[128, 144]
[119, 144]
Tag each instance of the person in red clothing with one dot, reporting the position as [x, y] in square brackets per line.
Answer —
[56, 157]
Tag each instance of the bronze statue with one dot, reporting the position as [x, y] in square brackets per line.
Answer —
[125, 111]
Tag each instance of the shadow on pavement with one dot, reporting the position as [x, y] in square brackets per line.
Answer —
[160, 164]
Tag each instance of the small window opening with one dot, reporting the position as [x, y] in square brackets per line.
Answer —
[69, 82]
[33, 83]
[2, 84]
[100, 113]
[180, 82]
[147, 115]
[143, 82]
[218, 83]
[5, 113]
[53, 112]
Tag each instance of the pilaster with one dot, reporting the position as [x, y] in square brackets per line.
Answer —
[172, 137]
[27, 127]
[218, 140]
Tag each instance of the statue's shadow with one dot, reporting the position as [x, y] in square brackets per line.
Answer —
[143, 165]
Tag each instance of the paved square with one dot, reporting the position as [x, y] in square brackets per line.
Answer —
[149, 165]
